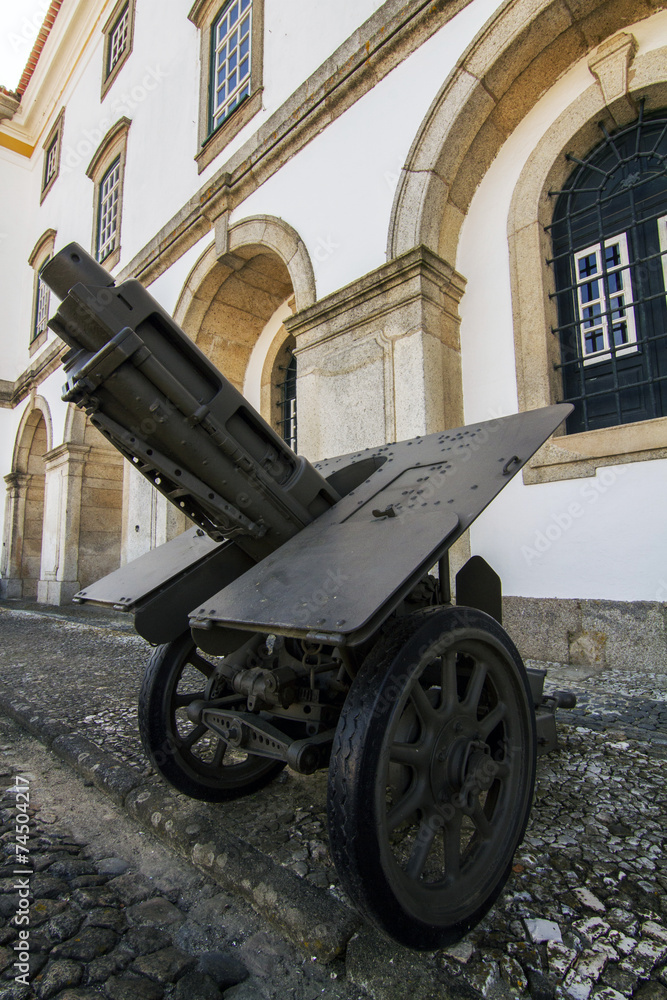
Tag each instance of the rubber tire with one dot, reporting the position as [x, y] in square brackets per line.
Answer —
[355, 759]
[162, 744]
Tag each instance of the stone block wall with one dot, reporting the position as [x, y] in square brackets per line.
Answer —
[588, 635]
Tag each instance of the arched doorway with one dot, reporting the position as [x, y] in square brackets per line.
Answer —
[230, 304]
[24, 523]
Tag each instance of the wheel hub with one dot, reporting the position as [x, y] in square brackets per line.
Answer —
[459, 761]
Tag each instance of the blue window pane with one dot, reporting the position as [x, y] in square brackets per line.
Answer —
[245, 46]
[591, 290]
[245, 26]
[222, 29]
[245, 90]
[244, 5]
[243, 68]
[220, 95]
[232, 61]
[233, 40]
[221, 77]
[587, 266]
[231, 83]
[615, 282]
[620, 335]
[233, 14]
[594, 342]
[592, 315]
[613, 255]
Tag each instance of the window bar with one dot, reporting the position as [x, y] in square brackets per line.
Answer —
[577, 331]
[287, 403]
[605, 392]
[647, 361]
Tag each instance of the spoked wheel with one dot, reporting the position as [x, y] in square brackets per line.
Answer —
[190, 757]
[431, 775]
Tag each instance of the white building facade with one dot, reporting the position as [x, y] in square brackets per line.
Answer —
[389, 218]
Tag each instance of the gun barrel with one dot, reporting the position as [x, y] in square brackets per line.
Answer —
[162, 403]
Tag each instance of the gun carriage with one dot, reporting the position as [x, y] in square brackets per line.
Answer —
[298, 621]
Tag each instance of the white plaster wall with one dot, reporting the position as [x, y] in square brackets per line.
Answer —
[338, 191]
[252, 386]
[300, 36]
[169, 286]
[602, 537]
[16, 276]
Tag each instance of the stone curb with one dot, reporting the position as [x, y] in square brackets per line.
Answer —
[308, 916]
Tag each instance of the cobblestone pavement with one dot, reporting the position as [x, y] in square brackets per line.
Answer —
[113, 914]
[585, 910]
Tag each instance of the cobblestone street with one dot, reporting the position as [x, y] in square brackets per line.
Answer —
[583, 915]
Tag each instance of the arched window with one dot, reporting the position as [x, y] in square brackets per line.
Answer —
[609, 233]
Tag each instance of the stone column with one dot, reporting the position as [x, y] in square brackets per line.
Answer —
[379, 360]
[11, 584]
[64, 468]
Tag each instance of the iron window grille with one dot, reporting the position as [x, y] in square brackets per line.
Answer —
[107, 227]
[118, 37]
[287, 401]
[42, 301]
[609, 235]
[231, 38]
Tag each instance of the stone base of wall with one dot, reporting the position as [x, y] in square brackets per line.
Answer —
[589, 636]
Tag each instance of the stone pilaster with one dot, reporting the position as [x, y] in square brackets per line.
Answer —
[59, 578]
[379, 360]
[11, 584]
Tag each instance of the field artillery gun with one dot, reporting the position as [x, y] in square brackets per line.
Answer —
[297, 622]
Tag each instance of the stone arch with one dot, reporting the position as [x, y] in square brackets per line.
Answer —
[512, 62]
[229, 298]
[38, 412]
[75, 425]
[24, 521]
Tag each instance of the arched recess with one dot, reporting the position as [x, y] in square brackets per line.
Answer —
[518, 55]
[575, 132]
[24, 521]
[100, 524]
[228, 300]
[226, 304]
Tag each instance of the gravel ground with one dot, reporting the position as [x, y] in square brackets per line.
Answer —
[585, 911]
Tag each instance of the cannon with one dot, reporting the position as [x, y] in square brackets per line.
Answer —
[306, 618]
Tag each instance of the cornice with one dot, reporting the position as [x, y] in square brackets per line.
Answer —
[396, 30]
[65, 46]
[417, 275]
[45, 364]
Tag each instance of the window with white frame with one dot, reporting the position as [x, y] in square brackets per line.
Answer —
[230, 94]
[39, 258]
[230, 59]
[118, 35]
[604, 300]
[52, 155]
[106, 170]
[609, 238]
[118, 38]
[42, 303]
[109, 214]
